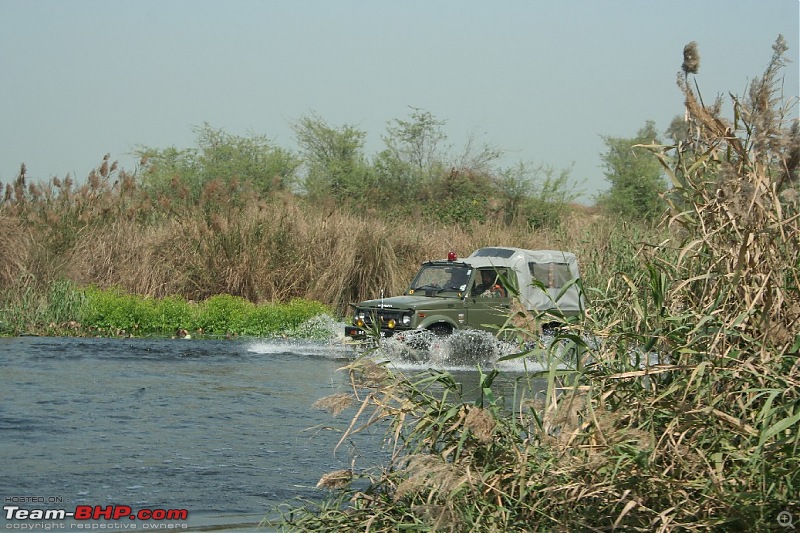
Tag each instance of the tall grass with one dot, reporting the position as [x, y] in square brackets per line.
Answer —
[110, 232]
[686, 413]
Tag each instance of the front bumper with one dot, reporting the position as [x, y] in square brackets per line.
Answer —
[357, 333]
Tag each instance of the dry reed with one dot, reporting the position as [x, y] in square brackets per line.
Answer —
[109, 233]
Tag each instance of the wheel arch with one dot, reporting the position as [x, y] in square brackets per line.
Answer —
[439, 324]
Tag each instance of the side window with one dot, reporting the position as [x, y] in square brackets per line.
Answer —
[551, 275]
[489, 283]
[561, 274]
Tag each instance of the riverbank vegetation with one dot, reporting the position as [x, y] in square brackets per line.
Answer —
[242, 217]
[683, 412]
[66, 309]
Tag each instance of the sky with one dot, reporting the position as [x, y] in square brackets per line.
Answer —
[542, 81]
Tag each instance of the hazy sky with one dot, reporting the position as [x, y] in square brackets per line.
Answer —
[543, 81]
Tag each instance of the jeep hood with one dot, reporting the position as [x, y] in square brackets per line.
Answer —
[397, 302]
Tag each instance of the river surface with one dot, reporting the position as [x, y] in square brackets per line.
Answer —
[221, 428]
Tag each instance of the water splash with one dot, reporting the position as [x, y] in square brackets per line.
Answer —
[320, 327]
[465, 349]
[420, 349]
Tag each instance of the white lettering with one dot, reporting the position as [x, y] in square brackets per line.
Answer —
[13, 512]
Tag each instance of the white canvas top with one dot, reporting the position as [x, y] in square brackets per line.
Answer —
[552, 269]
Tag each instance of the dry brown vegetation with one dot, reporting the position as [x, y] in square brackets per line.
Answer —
[112, 233]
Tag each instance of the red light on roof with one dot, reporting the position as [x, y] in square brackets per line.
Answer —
[451, 256]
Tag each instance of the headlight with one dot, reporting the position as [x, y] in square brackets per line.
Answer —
[406, 320]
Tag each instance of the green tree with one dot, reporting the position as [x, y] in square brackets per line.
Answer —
[678, 130]
[537, 195]
[413, 157]
[219, 156]
[334, 157]
[458, 196]
[636, 177]
[252, 159]
[416, 142]
[446, 187]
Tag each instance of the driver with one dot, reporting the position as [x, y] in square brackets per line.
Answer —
[488, 286]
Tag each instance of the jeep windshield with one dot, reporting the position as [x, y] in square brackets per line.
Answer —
[436, 278]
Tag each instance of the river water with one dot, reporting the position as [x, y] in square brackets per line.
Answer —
[221, 428]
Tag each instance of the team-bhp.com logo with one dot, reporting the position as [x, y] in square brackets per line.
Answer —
[87, 516]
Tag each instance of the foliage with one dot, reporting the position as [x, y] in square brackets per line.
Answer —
[223, 313]
[335, 163]
[416, 174]
[64, 308]
[194, 223]
[538, 195]
[32, 307]
[169, 314]
[205, 221]
[636, 178]
[458, 197]
[441, 186]
[415, 146]
[114, 312]
[222, 157]
[413, 156]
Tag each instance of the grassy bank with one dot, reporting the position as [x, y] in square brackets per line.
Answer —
[111, 233]
[63, 308]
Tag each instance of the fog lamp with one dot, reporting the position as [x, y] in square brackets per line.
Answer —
[391, 324]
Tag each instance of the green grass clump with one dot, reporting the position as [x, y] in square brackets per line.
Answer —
[222, 314]
[225, 314]
[170, 313]
[65, 309]
[113, 312]
[53, 308]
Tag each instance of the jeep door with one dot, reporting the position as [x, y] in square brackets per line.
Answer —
[488, 300]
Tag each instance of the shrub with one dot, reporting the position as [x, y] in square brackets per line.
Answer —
[112, 311]
[223, 314]
[172, 313]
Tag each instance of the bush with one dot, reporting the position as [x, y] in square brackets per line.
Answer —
[64, 308]
[114, 312]
[222, 314]
[171, 313]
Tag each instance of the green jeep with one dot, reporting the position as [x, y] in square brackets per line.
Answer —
[475, 292]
